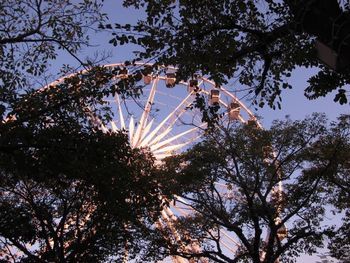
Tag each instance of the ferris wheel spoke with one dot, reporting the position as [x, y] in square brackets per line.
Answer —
[178, 116]
[166, 221]
[145, 132]
[170, 148]
[168, 141]
[227, 246]
[145, 113]
[114, 126]
[131, 131]
[180, 210]
[121, 116]
[160, 136]
[230, 238]
[169, 222]
[156, 130]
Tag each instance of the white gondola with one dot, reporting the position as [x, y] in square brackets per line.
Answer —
[233, 111]
[170, 80]
[192, 85]
[214, 96]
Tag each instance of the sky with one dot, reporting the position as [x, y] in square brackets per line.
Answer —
[294, 102]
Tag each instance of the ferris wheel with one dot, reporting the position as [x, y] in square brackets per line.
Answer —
[165, 120]
[164, 117]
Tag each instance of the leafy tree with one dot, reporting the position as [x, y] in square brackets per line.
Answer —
[337, 184]
[231, 182]
[76, 200]
[339, 243]
[258, 43]
[68, 191]
[33, 33]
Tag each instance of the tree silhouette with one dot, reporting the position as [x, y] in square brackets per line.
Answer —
[68, 191]
[232, 182]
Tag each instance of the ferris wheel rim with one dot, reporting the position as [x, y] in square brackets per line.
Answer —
[142, 64]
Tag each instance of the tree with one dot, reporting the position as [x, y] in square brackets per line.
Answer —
[337, 184]
[231, 181]
[339, 243]
[68, 191]
[77, 200]
[71, 192]
[32, 33]
[257, 42]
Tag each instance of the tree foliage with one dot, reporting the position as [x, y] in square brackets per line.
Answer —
[231, 183]
[33, 33]
[76, 198]
[338, 184]
[69, 192]
[258, 43]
